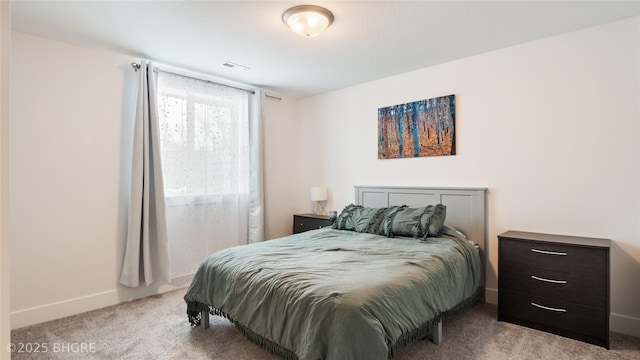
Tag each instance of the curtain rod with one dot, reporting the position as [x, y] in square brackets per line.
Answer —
[136, 66]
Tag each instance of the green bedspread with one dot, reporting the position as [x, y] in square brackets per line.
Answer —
[334, 294]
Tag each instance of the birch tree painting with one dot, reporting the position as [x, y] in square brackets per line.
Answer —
[416, 129]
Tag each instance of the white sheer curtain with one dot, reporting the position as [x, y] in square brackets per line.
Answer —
[146, 251]
[209, 168]
[256, 170]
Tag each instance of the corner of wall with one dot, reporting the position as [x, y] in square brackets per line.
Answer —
[5, 48]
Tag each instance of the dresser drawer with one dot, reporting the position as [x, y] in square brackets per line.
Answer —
[577, 260]
[557, 316]
[585, 290]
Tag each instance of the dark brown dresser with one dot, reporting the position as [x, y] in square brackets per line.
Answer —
[554, 283]
[306, 222]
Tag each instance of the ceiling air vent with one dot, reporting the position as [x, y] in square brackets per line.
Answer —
[234, 66]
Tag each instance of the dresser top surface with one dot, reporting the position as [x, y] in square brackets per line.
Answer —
[563, 239]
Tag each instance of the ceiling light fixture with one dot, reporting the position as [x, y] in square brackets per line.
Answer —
[307, 20]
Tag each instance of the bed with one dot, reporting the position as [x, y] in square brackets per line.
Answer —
[346, 294]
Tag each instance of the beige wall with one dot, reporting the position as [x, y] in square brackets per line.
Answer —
[281, 129]
[551, 128]
[5, 50]
[72, 109]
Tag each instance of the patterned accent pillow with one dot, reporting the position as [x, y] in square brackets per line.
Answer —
[432, 220]
[344, 220]
[387, 221]
[416, 222]
[368, 219]
[359, 218]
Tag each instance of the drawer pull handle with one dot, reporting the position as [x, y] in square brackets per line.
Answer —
[549, 252]
[549, 280]
[548, 308]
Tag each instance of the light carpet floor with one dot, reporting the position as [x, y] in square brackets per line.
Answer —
[157, 328]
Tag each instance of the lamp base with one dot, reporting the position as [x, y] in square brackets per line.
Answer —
[318, 209]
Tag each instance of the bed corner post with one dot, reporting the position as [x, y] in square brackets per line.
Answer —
[437, 333]
[205, 318]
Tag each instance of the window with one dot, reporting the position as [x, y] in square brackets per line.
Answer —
[204, 147]
[204, 137]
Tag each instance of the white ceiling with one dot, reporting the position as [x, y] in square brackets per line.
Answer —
[368, 40]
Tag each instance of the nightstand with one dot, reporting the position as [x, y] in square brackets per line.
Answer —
[306, 222]
[558, 284]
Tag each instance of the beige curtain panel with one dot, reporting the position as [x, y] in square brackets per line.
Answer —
[146, 255]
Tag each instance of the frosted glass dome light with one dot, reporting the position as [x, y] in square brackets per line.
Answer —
[307, 20]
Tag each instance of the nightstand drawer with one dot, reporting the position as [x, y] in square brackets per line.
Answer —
[308, 222]
[565, 318]
[585, 290]
[555, 257]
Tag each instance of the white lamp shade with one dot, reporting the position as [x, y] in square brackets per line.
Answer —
[318, 193]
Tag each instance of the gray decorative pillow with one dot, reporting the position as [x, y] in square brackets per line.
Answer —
[377, 222]
[416, 222]
[432, 219]
[344, 221]
[359, 218]
[387, 222]
[368, 219]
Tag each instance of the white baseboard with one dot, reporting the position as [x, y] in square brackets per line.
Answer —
[40, 314]
[624, 324]
[491, 296]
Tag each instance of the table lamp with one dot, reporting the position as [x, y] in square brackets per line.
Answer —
[318, 194]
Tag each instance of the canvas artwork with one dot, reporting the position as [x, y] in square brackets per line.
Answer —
[416, 129]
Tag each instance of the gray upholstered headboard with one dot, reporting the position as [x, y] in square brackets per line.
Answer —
[465, 206]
